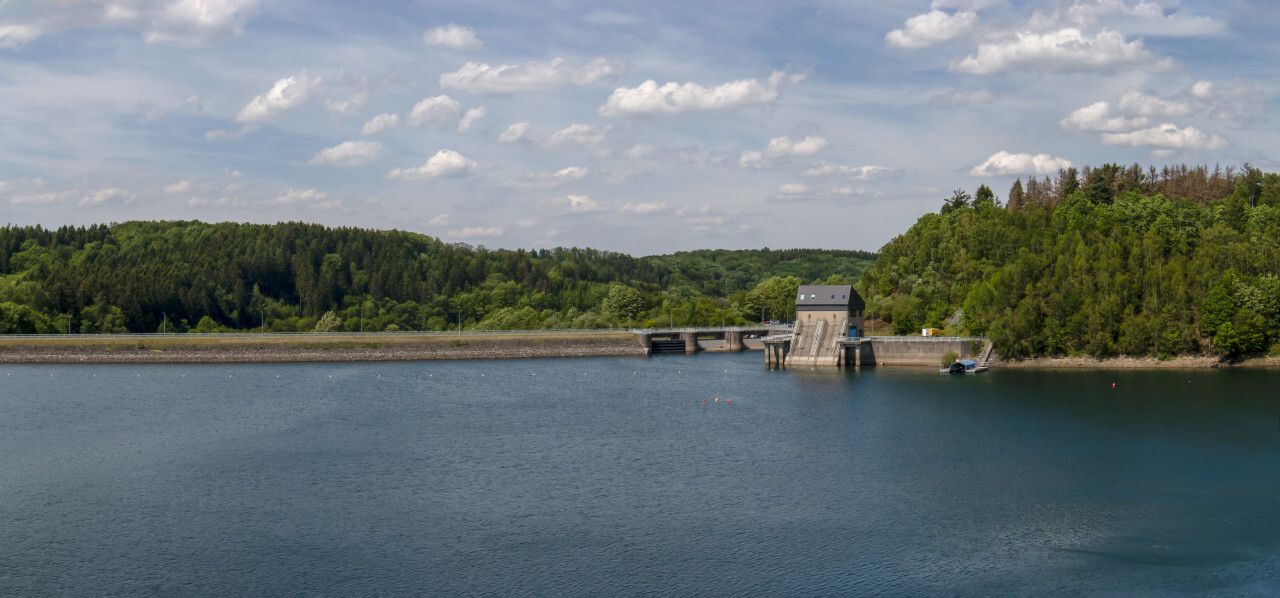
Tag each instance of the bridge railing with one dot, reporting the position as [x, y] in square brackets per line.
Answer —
[397, 333]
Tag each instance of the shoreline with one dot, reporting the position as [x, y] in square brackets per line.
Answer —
[1182, 362]
[362, 348]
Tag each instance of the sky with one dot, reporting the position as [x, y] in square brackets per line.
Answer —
[645, 128]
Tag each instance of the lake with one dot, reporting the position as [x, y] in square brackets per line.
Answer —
[672, 475]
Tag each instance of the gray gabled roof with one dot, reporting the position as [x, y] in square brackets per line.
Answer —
[828, 295]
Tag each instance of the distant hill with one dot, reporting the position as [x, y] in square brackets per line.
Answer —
[177, 276]
[1099, 261]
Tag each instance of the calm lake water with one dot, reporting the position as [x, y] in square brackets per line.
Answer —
[612, 476]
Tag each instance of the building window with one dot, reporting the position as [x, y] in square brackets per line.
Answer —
[801, 297]
[811, 296]
[844, 296]
[833, 297]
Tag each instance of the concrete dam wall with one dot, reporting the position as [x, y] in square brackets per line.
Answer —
[917, 350]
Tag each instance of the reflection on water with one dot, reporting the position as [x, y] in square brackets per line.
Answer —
[686, 475]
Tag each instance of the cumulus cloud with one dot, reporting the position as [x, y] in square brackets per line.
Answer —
[107, 196]
[514, 133]
[1167, 136]
[348, 107]
[1140, 18]
[446, 163]
[453, 36]
[672, 98]
[39, 198]
[178, 187]
[964, 96]
[380, 124]
[470, 118]
[186, 22]
[642, 151]
[548, 180]
[1065, 50]
[780, 148]
[578, 134]
[1098, 117]
[1005, 163]
[931, 28]
[472, 232]
[643, 209]
[506, 79]
[1139, 104]
[221, 202]
[297, 196]
[439, 220]
[577, 204]
[348, 153]
[15, 35]
[288, 93]
[856, 173]
[793, 189]
[435, 112]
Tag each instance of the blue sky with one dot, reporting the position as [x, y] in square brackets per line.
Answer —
[643, 128]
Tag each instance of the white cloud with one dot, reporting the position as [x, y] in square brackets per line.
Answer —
[331, 204]
[1139, 104]
[963, 96]
[187, 22]
[577, 204]
[514, 133]
[931, 28]
[297, 196]
[192, 103]
[643, 209]
[231, 135]
[784, 146]
[527, 223]
[793, 189]
[1167, 136]
[40, 198]
[221, 202]
[780, 148]
[470, 118]
[178, 187]
[15, 35]
[453, 36]
[1005, 163]
[435, 112]
[640, 151]
[548, 180]
[446, 163]
[348, 107]
[506, 79]
[472, 232]
[649, 98]
[106, 196]
[348, 153]
[380, 124]
[1097, 117]
[288, 93]
[1065, 50]
[1208, 90]
[1140, 18]
[578, 134]
[440, 220]
[855, 173]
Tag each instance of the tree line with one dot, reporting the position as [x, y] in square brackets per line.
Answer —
[289, 277]
[1099, 261]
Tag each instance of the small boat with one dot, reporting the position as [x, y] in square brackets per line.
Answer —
[963, 366]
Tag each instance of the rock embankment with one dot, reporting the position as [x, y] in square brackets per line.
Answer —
[250, 352]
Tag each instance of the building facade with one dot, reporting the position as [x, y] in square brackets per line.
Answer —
[835, 304]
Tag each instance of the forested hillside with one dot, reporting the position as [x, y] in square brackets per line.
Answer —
[180, 276]
[1102, 261]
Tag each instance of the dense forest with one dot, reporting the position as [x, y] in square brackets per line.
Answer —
[294, 277]
[1099, 261]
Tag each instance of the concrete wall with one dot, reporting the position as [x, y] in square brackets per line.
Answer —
[916, 350]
